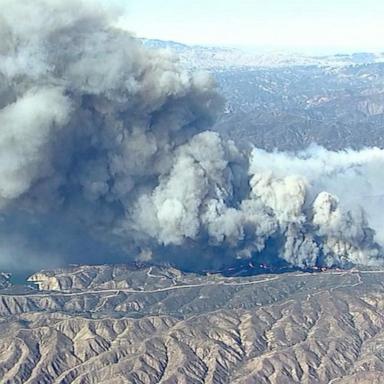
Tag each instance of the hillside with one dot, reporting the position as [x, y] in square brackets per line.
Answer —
[149, 325]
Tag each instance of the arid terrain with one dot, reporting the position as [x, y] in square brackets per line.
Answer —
[198, 213]
[125, 324]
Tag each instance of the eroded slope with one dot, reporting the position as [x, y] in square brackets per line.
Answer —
[287, 328]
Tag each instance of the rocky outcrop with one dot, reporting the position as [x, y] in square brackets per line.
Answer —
[5, 280]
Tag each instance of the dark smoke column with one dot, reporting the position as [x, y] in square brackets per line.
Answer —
[104, 151]
[89, 118]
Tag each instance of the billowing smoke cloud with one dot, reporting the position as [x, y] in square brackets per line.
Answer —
[290, 198]
[104, 153]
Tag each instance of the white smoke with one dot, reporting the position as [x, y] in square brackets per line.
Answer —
[338, 186]
[26, 127]
[286, 200]
[99, 133]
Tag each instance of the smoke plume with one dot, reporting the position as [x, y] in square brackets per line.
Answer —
[105, 153]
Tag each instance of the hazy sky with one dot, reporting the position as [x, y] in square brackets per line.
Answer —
[315, 25]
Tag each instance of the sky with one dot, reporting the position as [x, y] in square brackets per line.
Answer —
[299, 25]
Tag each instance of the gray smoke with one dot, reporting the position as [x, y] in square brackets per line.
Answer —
[104, 153]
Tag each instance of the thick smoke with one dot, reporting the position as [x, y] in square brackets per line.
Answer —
[104, 153]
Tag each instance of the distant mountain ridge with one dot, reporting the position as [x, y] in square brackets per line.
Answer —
[216, 57]
[289, 102]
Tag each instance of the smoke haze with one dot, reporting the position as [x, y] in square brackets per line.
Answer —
[106, 154]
